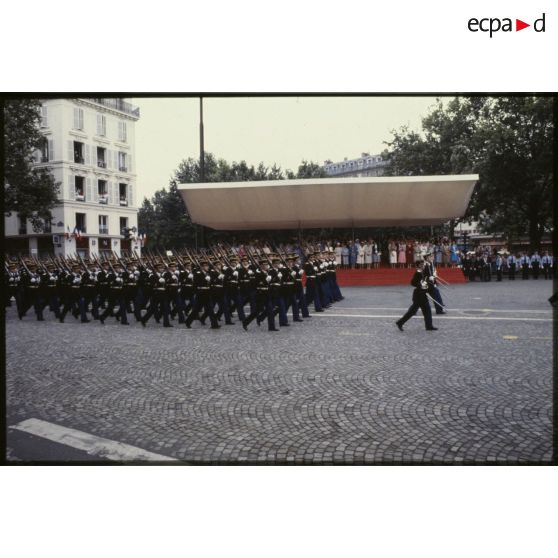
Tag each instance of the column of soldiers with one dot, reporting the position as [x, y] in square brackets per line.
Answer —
[482, 266]
[186, 287]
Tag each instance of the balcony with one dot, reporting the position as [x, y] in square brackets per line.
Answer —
[103, 229]
[123, 201]
[78, 159]
[123, 169]
[44, 159]
[118, 104]
[101, 164]
[103, 198]
[82, 229]
[80, 197]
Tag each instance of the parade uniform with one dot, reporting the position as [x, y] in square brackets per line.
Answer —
[202, 300]
[525, 263]
[547, 264]
[421, 282]
[536, 264]
[512, 264]
[264, 303]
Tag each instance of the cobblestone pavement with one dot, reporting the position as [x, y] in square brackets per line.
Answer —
[345, 387]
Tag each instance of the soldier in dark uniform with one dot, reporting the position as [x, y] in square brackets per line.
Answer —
[264, 304]
[288, 288]
[116, 296]
[70, 287]
[312, 285]
[217, 293]
[276, 286]
[230, 294]
[245, 288]
[159, 301]
[202, 286]
[299, 288]
[420, 282]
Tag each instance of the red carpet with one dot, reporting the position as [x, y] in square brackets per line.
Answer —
[388, 276]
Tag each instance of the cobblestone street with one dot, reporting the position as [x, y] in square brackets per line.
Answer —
[344, 387]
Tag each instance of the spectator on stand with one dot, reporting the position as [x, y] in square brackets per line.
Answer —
[338, 253]
[392, 250]
[376, 255]
[353, 252]
[368, 254]
[402, 254]
[409, 253]
[345, 256]
[360, 254]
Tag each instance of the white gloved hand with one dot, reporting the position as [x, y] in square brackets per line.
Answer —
[293, 273]
[207, 278]
[235, 274]
[280, 275]
[250, 272]
[221, 277]
[268, 278]
[301, 272]
[431, 278]
[190, 276]
[161, 281]
[119, 279]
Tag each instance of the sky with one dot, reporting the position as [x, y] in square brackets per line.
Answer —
[280, 130]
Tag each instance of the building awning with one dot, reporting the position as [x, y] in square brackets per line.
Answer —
[329, 202]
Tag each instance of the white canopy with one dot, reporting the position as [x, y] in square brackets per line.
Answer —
[329, 202]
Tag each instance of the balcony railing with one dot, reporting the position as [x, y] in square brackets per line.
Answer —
[123, 202]
[82, 229]
[102, 164]
[103, 198]
[44, 159]
[123, 169]
[119, 104]
[80, 197]
[78, 159]
[103, 229]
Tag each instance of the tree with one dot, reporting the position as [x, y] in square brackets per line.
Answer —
[507, 140]
[30, 191]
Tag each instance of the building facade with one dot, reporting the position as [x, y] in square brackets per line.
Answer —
[90, 149]
[365, 165]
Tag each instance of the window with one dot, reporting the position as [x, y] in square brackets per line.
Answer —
[44, 117]
[101, 125]
[101, 157]
[22, 225]
[80, 190]
[123, 193]
[78, 153]
[44, 151]
[78, 119]
[80, 222]
[102, 190]
[122, 166]
[123, 224]
[103, 224]
[122, 135]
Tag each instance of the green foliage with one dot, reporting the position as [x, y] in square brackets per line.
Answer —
[506, 140]
[29, 191]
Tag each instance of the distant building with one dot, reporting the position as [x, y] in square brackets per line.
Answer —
[365, 165]
[90, 148]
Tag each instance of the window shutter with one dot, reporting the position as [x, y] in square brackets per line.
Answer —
[124, 134]
[99, 125]
[119, 130]
[44, 115]
[130, 163]
[81, 127]
[130, 195]
[71, 187]
[95, 190]
[51, 150]
[104, 125]
[87, 155]
[88, 190]
[71, 150]
[76, 118]
[111, 193]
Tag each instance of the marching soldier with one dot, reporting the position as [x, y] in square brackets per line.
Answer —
[430, 272]
[288, 289]
[116, 297]
[299, 289]
[312, 284]
[420, 282]
[159, 301]
[202, 286]
[264, 304]
[277, 280]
